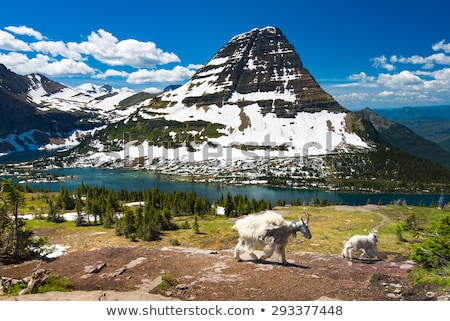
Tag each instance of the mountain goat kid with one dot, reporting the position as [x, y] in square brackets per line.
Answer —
[268, 230]
[366, 243]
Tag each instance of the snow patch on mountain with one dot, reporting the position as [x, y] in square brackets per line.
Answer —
[84, 98]
[247, 125]
[28, 141]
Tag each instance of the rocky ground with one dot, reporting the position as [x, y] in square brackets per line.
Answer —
[132, 273]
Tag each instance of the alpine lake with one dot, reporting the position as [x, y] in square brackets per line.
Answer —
[139, 180]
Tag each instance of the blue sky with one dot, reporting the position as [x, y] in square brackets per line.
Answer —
[364, 53]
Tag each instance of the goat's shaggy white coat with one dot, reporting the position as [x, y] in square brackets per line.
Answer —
[365, 243]
[268, 230]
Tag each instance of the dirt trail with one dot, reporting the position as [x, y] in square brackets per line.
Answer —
[131, 273]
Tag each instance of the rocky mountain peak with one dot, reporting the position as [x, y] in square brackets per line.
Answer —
[11, 82]
[37, 81]
[20, 86]
[259, 66]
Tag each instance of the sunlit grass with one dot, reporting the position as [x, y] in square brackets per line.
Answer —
[78, 237]
[330, 227]
[215, 233]
[440, 276]
[37, 203]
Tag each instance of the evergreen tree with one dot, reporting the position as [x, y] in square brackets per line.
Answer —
[195, 225]
[434, 252]
[79, 210]
[15, 240]
[64, 199]
[228, 205]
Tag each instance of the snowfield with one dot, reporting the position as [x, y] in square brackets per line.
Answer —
[86, 97]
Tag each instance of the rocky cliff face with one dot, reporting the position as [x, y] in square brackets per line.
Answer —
[262, 67]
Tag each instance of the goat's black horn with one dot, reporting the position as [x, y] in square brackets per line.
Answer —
[307, 217]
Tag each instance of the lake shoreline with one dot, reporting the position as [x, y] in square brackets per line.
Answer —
[138, 180]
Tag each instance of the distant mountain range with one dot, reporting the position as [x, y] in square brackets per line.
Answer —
[404, 138]
[36, 112]
[430, 122]
[254, 99]
[21, 121]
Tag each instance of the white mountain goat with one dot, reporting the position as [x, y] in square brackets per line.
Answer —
[366, 243]
[268, 230]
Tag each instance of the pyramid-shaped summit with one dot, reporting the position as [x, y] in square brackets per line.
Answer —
[254, 94]
[259, 66]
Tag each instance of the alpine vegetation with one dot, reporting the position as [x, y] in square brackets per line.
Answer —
[270, 231]
[366, 243]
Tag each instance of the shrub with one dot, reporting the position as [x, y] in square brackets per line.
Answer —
[14, 289]
[55, 282]
[167, 282]
[185, 225]
[434, 252]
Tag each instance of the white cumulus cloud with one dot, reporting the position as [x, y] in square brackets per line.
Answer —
[386, 93]
[107, 49]
[9, 42]
[427, 62]
[424, 79]
[400, 80]
[359, 80]
[45, 65]
[353, 97]
[381, 62]
[13, 59]
[89, 57]
[26, 31]
[195, 66]
[111, 73]
[443, 74]
[441, 45]
[57, 48]
[143, 76]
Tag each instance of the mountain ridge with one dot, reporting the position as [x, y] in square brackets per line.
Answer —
[429, 122]
[22, 125]
[404, 138]
[37, 112]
